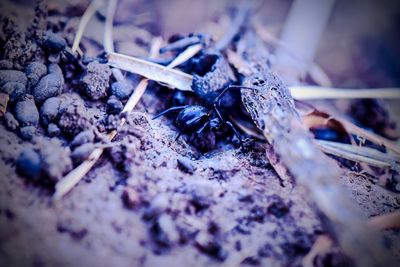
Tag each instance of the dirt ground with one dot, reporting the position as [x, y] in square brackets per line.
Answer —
[153, 200]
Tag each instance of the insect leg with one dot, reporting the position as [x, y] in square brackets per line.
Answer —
[217, 100]
[179, 135]
[169, 110]
[235, 131]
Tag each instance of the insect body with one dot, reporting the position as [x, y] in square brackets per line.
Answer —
[197, 118]
[212, 79]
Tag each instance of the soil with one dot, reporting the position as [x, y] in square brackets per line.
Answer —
[150, 200]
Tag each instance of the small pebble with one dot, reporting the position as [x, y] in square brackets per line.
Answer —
[121, 90]
[55, 158]
[114, 106]
[12, 76]
[185, 164]
[49, 86]
[74, 119]
[54, 42]
[16, 91]
[35, 71]
[96, 80]
[53, 130]
[27, 132]
[11, 123]
[83, 138]
[82, 152]
[26, 112]
[49, 110]
[55, 69]
[28, 163]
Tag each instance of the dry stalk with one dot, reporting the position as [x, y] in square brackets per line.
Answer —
[89, 12]
[190, 52]
[386, 221]
[108, 27]
[318, 92]
[272, 110]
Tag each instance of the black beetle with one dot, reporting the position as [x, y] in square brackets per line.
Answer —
[196, 118]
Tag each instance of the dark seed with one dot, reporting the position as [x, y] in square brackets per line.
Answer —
[12, 76]
[28, 163]
[49, 110]
[28, 132]
[26, 112]
[54, 42]
[35, 71]
[49, 86]
[53, 130]
[11, 123]
[82, 152]
[55, 69]
[83, 138]
[16, 90]
[114, 106]
[121, 90]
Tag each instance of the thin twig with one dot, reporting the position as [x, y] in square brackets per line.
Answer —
[386, 221]
[89, 12]
[185, 55]
[318, 92]
[237, 23]
[72, 178]
[108, 27]
[357, 153]
[317, 73]
[374, 138]
[152, 71]
[367, 155]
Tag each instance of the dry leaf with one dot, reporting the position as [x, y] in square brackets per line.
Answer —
[151, 71]
[189, 52]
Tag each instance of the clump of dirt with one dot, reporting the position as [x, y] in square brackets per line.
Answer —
[47, 157]
[95, 81]
[74, 118]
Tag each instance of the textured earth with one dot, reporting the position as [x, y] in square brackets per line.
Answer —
[150, 200]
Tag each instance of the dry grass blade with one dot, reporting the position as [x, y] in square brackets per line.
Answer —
[108, 27]
[357, 153]
[237, 61]
[319, 76]
[243, 12]
[354, 153]
[185, 55]
[151, 71]
[321, 245]
[89, 12]
[386, 221]
[317, 92]
[315, 71]
[72, 178]
[379, 140]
